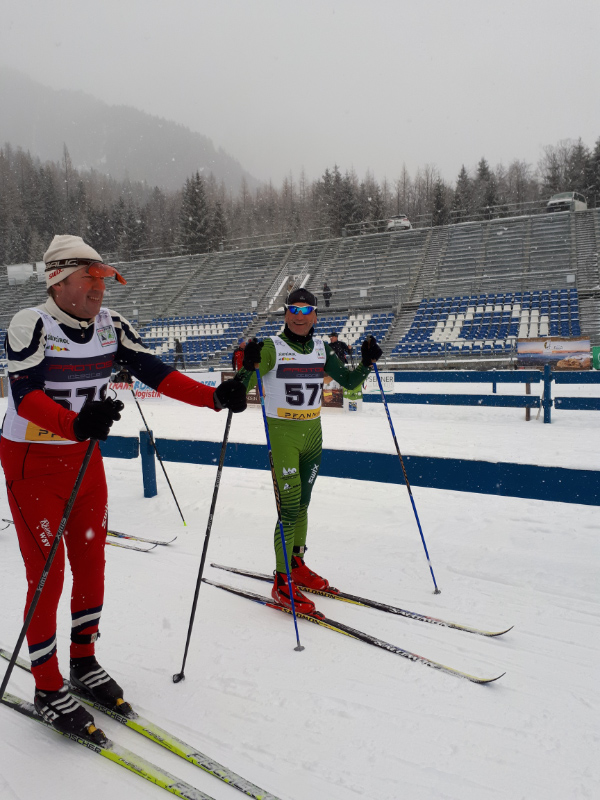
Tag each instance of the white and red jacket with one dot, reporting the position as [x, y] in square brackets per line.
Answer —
[56, 362]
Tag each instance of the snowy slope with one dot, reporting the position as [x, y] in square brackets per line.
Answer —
[343, 720]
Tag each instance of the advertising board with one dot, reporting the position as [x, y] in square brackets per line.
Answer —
[567, 354]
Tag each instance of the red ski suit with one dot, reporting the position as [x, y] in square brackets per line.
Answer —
[40, 472]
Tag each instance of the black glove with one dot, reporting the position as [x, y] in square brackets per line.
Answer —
[252, 354]
[370, 351]
[95, 419]
[231, 394]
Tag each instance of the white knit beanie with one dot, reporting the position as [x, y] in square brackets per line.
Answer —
[61, 258]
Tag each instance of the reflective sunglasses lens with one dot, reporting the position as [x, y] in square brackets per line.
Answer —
[305, 310]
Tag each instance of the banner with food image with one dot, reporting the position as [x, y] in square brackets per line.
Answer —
[567, 354]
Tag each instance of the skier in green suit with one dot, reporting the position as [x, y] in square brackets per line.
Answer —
[292, 366]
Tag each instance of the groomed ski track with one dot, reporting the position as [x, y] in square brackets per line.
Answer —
[342, 720]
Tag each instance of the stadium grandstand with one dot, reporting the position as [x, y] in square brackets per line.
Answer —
[460, 294]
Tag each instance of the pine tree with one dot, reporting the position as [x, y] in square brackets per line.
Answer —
[51, 203]
[440, 206]
[593, 177]
[131, 239]
[483, 171]
[578, 168]
[101, 231]
[218, 231]
[490, 197]
[194, 220]
[463, 196]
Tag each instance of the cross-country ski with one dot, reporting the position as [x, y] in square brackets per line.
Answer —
[336, 594]
[156, 734]
[325, 622]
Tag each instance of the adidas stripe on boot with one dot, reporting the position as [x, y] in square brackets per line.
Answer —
[65, 713]
[89, 677]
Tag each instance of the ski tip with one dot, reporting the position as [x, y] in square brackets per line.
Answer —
[491, 680]
[500, 633]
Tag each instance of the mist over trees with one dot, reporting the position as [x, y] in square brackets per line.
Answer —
[125, 220]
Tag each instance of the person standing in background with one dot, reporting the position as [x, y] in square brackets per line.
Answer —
[178, 354]
[237, 359]
[341, 349]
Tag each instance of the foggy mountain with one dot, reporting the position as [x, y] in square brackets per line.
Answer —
[118, 140]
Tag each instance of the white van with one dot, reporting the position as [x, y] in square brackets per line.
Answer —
[567, 201]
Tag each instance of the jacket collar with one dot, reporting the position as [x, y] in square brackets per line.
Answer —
[296, 338]
[64, 318]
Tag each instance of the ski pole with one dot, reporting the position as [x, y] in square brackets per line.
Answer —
[412, 500]
[160, 461]
[298, 647]
[47, 565]
[179, 676]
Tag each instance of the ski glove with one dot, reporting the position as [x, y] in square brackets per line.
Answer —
[231, 394]
[370, 351]
[95, 419]
[252, 354]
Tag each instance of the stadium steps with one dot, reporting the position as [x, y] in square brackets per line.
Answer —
[596, 217]
[434, 254]
[325, 267]
[399, 327]
[586, 248]
[481, 261]
[280, 262]
[527, 246]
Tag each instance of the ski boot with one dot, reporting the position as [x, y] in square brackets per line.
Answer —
[304, 576]
[89, 678]
[65, 713]
[281, 594]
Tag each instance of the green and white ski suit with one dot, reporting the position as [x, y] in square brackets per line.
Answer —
[292, 375]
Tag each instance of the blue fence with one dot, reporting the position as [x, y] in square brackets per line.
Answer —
[484, 477]
[544, 378]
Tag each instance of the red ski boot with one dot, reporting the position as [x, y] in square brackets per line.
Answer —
[304, 576]
[281, 594]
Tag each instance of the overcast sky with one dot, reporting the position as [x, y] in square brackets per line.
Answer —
[368, 84]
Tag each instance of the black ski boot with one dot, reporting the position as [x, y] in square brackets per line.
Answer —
[89, 678]
[65, 713]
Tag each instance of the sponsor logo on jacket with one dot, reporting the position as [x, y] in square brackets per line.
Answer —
[107, 335]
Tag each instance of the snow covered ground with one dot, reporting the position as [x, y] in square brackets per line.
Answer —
[343, 720]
